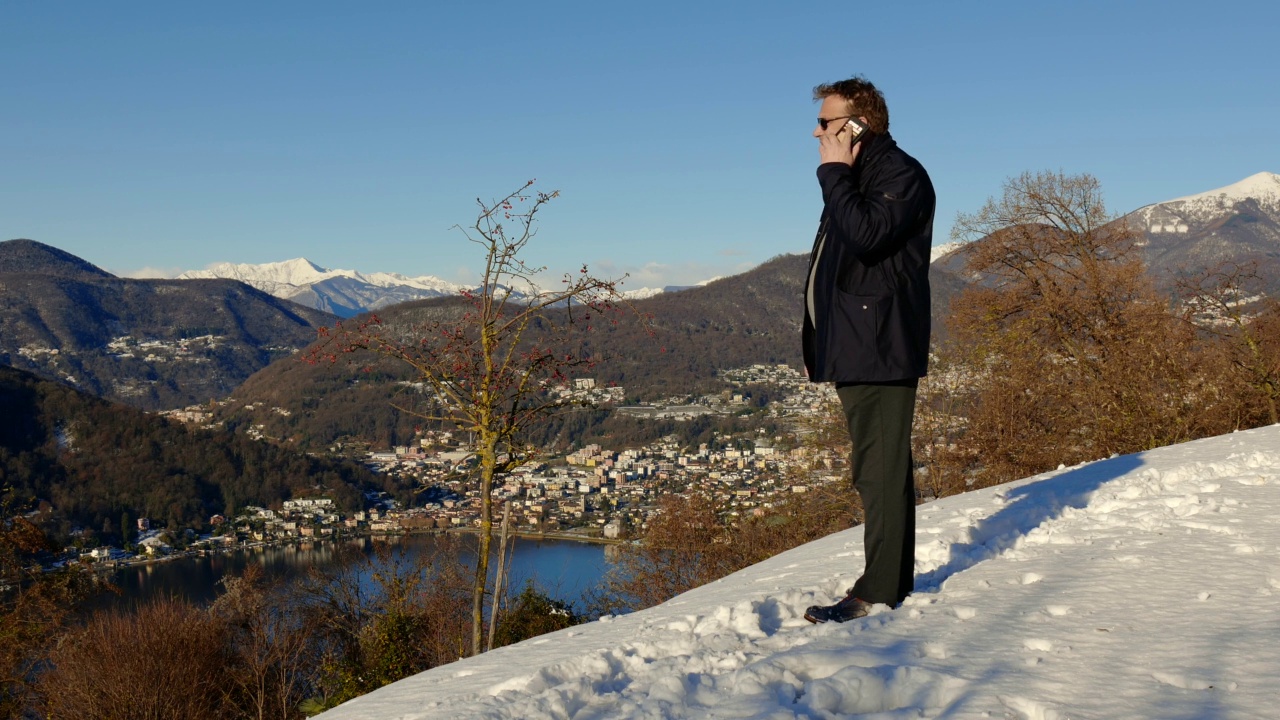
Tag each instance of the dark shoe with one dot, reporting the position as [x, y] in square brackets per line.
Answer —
[850, 608]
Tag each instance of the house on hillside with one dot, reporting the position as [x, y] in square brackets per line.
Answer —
[153, 545]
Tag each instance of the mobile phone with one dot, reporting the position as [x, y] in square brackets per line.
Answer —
[859, 130]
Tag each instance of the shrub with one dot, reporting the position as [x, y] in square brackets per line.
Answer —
[166, 659]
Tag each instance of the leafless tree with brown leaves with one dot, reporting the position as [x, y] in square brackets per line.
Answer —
[1077, 356]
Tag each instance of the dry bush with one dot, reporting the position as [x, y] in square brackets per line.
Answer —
[795, 520]
[271, 655]
[942, 399]
[1263, 344]
[530, 614]
[164, 660]
[692, 540]
[681, 549]
[35, 607]
[386, 617]
[1227, 305]
[1074, 353]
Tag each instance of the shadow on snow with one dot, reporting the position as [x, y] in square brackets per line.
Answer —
[1028, 507]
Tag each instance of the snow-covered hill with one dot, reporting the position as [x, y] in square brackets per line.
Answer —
[1142, 586]
[341, 292]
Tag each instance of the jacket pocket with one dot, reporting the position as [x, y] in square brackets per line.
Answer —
[860, 322]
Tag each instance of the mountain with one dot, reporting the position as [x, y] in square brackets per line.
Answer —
[1080, 593]
[93, 460]
[342, 292]
[31, 257]
[346, 293]
[694, 334]
[151, 343]
[1194, 233]
[1235, 222]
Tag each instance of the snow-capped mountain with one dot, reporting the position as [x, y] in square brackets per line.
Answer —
[939, 251]
[341, 292]
[1196, 232]
[347, 292]
[1141, 586]
[1170, 216]
[642, 293]
[1236, 222]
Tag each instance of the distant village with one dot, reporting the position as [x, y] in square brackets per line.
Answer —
[592, 494]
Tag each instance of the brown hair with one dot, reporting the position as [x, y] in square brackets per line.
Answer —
[863, 98]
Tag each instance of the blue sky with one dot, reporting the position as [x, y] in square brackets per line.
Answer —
[170, 136]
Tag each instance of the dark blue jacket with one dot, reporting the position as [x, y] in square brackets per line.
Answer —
[867, 294]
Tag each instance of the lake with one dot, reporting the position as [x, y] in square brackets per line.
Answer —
[562, 568]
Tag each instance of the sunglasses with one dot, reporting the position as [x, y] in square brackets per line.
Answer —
[823, 122]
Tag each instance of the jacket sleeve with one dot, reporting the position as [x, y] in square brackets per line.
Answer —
[873, 221]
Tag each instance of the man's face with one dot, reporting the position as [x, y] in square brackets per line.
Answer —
[834, 109]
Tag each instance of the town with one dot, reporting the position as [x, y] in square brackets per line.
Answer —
[593, 493]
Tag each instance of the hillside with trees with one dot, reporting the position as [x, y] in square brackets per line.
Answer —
[684, 343]
[153, 344]
[88, 465]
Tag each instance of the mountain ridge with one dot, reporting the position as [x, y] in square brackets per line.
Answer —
[347, 293]
[341, 292]
[1237, 222]
[1191, 234]
[28, 256]
[154, 344]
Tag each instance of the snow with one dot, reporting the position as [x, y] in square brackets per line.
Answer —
[938, 251]
[345, 292]
[1180, 214]
[1263, 185]
[300, 272]
[641, 293]
[1140, 586]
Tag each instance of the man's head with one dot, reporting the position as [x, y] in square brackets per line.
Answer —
[855, 97]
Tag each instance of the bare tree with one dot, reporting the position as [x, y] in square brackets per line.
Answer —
[1075, 354]
[489, 370]
[271, 655]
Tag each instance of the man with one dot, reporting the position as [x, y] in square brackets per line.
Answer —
[866, 323]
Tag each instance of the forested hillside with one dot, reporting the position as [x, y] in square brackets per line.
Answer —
[88, 463]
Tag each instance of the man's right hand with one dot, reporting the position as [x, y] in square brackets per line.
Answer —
[834, 145]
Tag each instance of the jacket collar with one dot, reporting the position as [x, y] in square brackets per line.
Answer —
[876, 146]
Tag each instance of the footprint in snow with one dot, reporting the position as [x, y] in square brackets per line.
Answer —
[1027, 708]
[932, 650]
[1038, 645]
[1186, 682]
